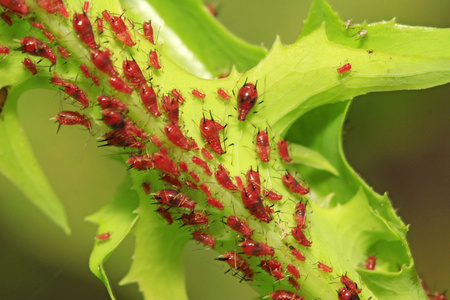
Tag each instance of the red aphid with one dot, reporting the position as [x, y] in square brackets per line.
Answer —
[146, 187]
[57, 80]
[198, 94]
[194, 176]
[118, 84]
[283, 151]
[293, 270]
[148, 32]
[49, 35]
[165, 214]
[294, 283]
[6, 18]
[165, 163]
[111, 102]
[54, 6]
[344, 68]
[325, 268]
[350, 284]
[174, 134]
[37, 25]
[371, 262]
[99, 25]
[223, 179]
[347, 294]
[83, 27]
[170, 105]
[36, 47]
[262, 145]
[183, 166]
[272, 195]
[240, 226]
[204, 238]
[214, 202]
[84, 69]
[153, 56]
[155, 140]
[255, 206]
[246, 99]
[178, 96]
[206, 154]
[148, 98]
[205, 189]
[235, 261]
[86, 6]
[63, 52]
[223, 94]
[95, 80]
[300, 214]
[239, 183]
[119, 28]
[253, 183]
[195, 218]
[252, 248]
[174, 198]
[210, 133]
[297, 254]
[269, 210]
[113, 119]
[76, 93]
[30, 66]
[292, 184]
[273, 267]
[171, 179]
[141, 162]
[297, 233]
[102, 60]
[284, 295]
[16, 6]
[4, 50]
[133, 72]
[131, 129]
[190, 184]
[73, 118]
[200, 162]
[118, 138]
[103, 236]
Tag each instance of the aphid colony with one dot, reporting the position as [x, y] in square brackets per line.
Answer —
[202, 171]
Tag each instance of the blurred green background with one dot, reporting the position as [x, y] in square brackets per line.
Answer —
[399, 142]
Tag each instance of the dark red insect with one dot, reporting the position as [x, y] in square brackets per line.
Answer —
[300, 214]
[294, 283]
[198, 94]
[153, 56]
[297, 233]
[174, 134]
[86, 6]
[76, 93]
[236, 262]
[240, 226]
[172, 180]
[63, 52]
[246, 99]
[37, 25]
[206, 154]
[4, 50]
[223, 179]
[284, 295]
[183, 166]
[118, 84]
[253, 183]
[325, 268]
[190, 184]
[347, 294]
[210, 133]
[252, 248]
[30, 66]
[174, 198]
[293, 270]
[146, 188]
[95, 80]
[194, 176]
[165, 214]
[119, 28]
[113, 119]
[83, 27]
[273, 267]
[111, 102]
[164, 162]
[120, 139]
[297, 254]
[102, 60]
[155, 140]
[141, 162]
[16, 6]
[148, 98]
[262, 145]
[170, 105]
[99, 25]
[272, 195]
[344, 68]
[223, 94]
[36, 47]
[195, 218]
[6, 18]
[49, 35]
[290, 182]
[54, 6]
[133, 72]
[253, 203]
[214, 202]
[148, 32]
[84, 69]
[205, 189]
[371, 262]
[103, 236]
[200, 162]
[204, 238]
[73, 118]
[350, 284]
[177, 95]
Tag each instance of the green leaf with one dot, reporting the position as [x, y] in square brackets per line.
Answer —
[17, 161]
[116, 218]
[309, 157]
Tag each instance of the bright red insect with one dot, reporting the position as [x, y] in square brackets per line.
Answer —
[4, 50]
[262, 145]
[83, 27]
[99, 25]
[119, 138]
[350, 284]
[205, 189]
[174, 134]
[118, 84]
[148, 98]
[235, 261]
[300, 214]
[73, 118]
[171, 106]
[206, 154]
[84, 69]
[371, 262]
[297, 233]
[283, 151]
[204, 238]
[16, 6]
[195, 218]
[293, 270]
[111, 102]
[253, 183]
[37, 25]
[223, 94]
[49, 35]
[6, 18]
[36, 47]
[214, 202]
[102, 60]
[209, 130]
[146, 187]
[178, 96]
[194, 176]
[165, 163]
[113, 119]
[30, 66]
[153, 56]
[344, 68]
[63, 52]
[198, 94]
[252, 248]
[297, 254]
[172, 180]
[86, 6]
[294, 283]
[272, 195]
[223, 179]
[347, 294]
[119, 28]
[290, 182]
[284, 295]
[54, 6]
[253, 203]
[140, 162]
[174, 198]
[190, 184]
[200, 162]
[103, 236]
[76, 93]
[155, 140]
[273, 267]
[165, 214]
[148, 32]
[240, 226]
[183, 166]
[133, 72]
[246, 99]
[325, 268]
